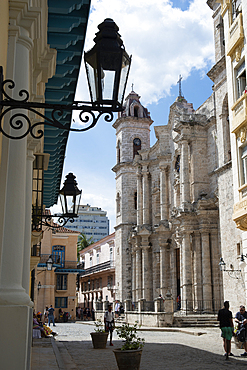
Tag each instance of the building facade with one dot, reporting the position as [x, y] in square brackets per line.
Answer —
[92, 222]
[41, 48]
[58, 286]
[97, 281]
[234, 28]
[174, 200]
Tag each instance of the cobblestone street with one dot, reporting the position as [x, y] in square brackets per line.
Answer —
[163, 350]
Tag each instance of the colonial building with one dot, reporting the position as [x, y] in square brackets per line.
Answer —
[58, 286]
[174, 200]
[97, 281]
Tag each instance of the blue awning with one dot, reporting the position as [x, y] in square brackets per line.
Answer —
[67, 24]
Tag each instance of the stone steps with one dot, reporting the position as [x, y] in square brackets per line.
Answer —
[203, 321]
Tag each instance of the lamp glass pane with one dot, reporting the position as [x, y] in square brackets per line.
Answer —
[123, 76]
[107, 83]
[93, 80]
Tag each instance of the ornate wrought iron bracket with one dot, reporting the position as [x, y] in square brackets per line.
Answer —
[20, 121]
[47, 220]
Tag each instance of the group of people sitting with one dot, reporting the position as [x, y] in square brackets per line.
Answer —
[227, 328]
[45, 331]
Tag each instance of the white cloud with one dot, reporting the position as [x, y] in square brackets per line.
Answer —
[164, 42]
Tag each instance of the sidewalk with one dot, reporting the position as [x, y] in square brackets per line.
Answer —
[165, 348]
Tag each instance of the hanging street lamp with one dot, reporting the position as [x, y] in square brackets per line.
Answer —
[107, 67]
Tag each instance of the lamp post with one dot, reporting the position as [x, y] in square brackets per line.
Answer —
[107, 67]
[231, 272]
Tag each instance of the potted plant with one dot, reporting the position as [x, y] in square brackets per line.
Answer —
[129, 355]
[99, 336]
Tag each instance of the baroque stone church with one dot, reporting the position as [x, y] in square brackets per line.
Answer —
[174, 200]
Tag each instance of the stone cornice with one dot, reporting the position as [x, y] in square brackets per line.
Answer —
[219, 67]
[134, 120]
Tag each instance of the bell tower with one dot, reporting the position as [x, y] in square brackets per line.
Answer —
[132, 138]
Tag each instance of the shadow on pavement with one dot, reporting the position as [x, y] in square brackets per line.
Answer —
[155, 356]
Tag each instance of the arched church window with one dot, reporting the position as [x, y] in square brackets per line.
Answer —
[136, 111]
[136, 146]
[118, 152]
[118, 203]
[135, 200]
[177, 164]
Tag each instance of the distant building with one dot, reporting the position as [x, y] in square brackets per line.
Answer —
[97, 280]
[58, 286]
[92, 221]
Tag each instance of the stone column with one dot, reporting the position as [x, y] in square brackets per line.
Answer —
[184, 173]
[145, 196]
[28, 216]
[146, 273]
[217, 283]
[133, 253]
[206, 272]
[186, 273]
[139, 197]
[163, 193]
[164, 266]
[138, 273]
[197, 270]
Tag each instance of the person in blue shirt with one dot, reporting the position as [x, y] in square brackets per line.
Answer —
[51, 315]
[241, 318]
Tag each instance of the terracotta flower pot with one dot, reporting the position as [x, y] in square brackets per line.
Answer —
[129, 359]
[99, 340]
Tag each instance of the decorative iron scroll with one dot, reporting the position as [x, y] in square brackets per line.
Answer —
[18, 120]
[47, 220]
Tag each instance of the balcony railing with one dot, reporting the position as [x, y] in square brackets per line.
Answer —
[239, 114]
[65, 264]
[97, 268]
[235, 39]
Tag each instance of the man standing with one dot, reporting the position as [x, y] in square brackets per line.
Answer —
[51, 315]
[109, 322]
[226, 325]
[117, 308]
[241, 318]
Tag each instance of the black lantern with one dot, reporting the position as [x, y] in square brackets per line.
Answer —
[49, 263]
[39, 286]
[222, 264]
[107, 66]
[70, 196]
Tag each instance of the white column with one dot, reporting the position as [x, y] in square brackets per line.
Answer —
[138, 273]
[15, 304]
[11, 289]
[28, 216]
[197, 270]
[206, 272]
[133, 274]
[163, 193]
[164, 266]
[184, 173]
[186, 273]
[217, 283]
[139, 198]
[145, 197]
[146, 273]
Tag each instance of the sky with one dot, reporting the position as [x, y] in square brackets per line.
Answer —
[166, 39]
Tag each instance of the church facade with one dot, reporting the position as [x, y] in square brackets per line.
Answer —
[174, 200]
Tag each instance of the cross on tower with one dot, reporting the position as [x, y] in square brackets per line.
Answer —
[132, 87]
[180, 85]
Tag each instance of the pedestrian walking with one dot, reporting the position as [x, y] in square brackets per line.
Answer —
[226, 326]
[241, 319]
[109, 322]
[51, 315]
